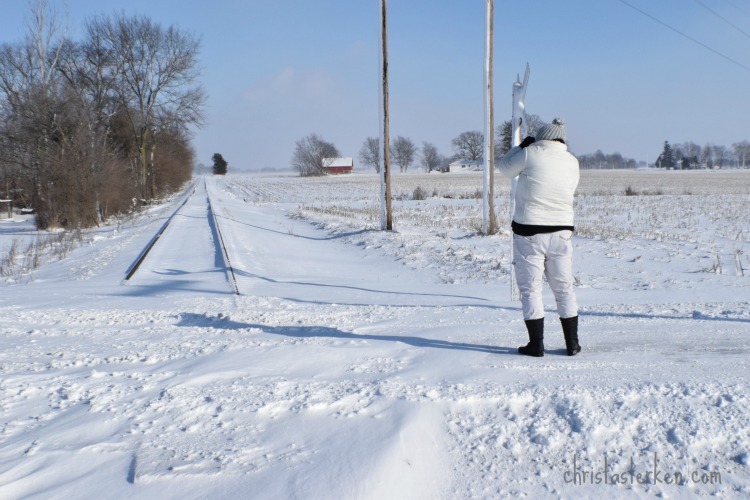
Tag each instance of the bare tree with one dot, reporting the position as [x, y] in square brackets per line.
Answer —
[403, 152]
[715, 156]
[723, 155]
[43, 32]
[503, 139]
[741, 153]
[504, 133]
[312, 154]
[91, 71]
[67, 145]
[175, 157]
[690, 149]
[687, 154]
[90, 74]
[157, 80]
[707, 156]
[469, 145]
[431, 158]
[600, 160]
[369, 155]
[32, 103]
[11, 78]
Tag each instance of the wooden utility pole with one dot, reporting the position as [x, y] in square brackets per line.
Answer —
[489, 220]
[386, 218]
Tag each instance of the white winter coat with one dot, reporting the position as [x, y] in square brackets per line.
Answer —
[548, 177]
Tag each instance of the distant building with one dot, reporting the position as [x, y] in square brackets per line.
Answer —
[466, 166]
[338, 165]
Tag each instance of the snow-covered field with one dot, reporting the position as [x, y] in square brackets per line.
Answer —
[356, 363]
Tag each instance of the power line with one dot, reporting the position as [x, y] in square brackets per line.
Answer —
[734, 61]
[730, 23]
[736, 7]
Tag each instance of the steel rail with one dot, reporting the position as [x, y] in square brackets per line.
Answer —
[142, 256]
[224, 251]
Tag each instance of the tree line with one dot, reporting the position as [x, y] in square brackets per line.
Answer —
[96, 127]
[312, 151]
[689, 155]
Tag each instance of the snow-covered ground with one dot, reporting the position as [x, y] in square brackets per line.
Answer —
[356, 363]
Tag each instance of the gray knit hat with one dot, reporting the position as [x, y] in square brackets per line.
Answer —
[552, 131]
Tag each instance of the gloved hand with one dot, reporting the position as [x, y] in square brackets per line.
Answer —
[526, 142]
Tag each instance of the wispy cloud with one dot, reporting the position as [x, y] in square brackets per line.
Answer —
[292, 84]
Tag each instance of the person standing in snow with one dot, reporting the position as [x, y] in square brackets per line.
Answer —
[542, 230]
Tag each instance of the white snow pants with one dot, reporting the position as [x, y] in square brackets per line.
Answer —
[550, 255]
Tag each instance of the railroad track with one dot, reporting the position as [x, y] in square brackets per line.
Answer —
[214, 222]
[215, 229]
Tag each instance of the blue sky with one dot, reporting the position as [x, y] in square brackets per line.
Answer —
[278, 70]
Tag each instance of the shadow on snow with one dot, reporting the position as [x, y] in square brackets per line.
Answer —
[200, 320]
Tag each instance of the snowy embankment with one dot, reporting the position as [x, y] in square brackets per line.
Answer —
[361, 364]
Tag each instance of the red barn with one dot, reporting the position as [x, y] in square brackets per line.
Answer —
[338, 165]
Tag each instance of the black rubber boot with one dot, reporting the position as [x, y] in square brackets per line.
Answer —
[535, 347]
[570, 330]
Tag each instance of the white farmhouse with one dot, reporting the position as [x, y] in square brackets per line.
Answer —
[466, 166]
